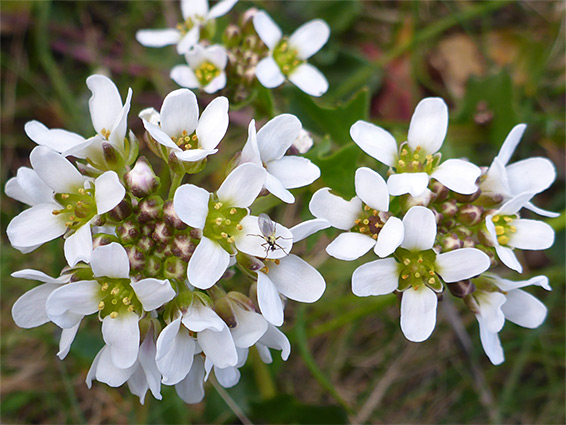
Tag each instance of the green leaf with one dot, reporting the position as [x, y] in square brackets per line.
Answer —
[332, 121]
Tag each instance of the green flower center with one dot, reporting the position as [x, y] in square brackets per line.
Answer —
[223, 223]
[286, 57]
[370, 222]
[186, 141]
[117, 297]
[416, 161]
[503, 228]
[206, 72]
[416, 269]
[78, 208]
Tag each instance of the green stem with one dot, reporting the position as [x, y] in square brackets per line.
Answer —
[263, 378]
[176, 180]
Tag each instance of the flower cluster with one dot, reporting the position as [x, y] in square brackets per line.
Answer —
[253, 51]
[160, 271]
[449, 224]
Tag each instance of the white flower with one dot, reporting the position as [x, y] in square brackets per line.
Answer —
[205, 69]
[288, 55]
[507, 231]
[366, 215]
[506, 301]
[418, 272]
[220, 216]
[191, 139]
[109, 119]
[196, 16]
[67, 305]
[66, 201]
[532, 175]
[141, 375]
[414, 161]
[191, 389]
[267, 149]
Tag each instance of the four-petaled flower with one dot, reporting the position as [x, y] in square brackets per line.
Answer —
[205, 69]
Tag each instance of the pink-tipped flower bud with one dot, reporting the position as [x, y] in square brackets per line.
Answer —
[150, 208]
[467, 198]
[175, 268]
[101, 239]
[448, 208]
[121, 211]
[462, 288]
[136, 258]
[470, 214]
[162, 233]
[450, 242]
[128, 232]
[141, 180]
[439, 190]
[183, 247]
[171, 218]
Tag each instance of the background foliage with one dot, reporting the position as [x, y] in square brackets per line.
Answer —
[495, 63]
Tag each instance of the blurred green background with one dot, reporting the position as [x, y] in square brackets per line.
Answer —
[495, 63]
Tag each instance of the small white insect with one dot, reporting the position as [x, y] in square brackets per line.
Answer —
[267, 229]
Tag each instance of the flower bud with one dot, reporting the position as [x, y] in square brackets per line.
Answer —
[128, 232]
[183, 247]
[448, 208]
[153, 266]
[490, 200]
[472, 304]
[439, 190]
[141, 180]
[112, 157]
[224, 309]
[450, 242]
[136, 258]
[303, 142]
[249, 262]
[408, 201]
[246, 21]
[171, 218]
[232, 36]
[151, 208]
[175, 268]
[467, 198]
[462, 288]
[101, 239]
[470, 214]
[196, 234]
[121, 211]
[146, 244]
[162, 233]
[462, 231]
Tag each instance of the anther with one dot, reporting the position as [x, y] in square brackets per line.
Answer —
[101, 305]
[405, 276]
[126, 301]
[195, 138]
[277, 262]
[104, 286]
[503, 240]
[72, 218]
[495, 218]
[357, 221]
[401, 163]
[233, 211]
[404, 152]
[507, 219]
[366, 208]
[218, 205]
[362, 229]
[224, 235]
[418, 149]
[187, 139]
[239, 227]
[81, 191]
[499, 230]
[131, 308]
[65, 195]
[230, 239]
[415, 163]
[431, 281]
[115, 290]
[513, 229]
[114, 314]
[430, 272]
[374, 236]
[55, 212]
[218, 221]
[420, 260]
[406, 261]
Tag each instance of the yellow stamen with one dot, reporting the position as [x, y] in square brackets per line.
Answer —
[499, 230]
[126, 301]
[218, 205]
[503, 240]
[101, 305]
[114, 314]
[406, 261]
[431, 281]
[239, 227]
[233, 211]
[405, 276]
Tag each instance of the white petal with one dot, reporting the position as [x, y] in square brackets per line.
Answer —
[213, 123]
[67, 338]
[194, 155]
[250, 152]
[110, 261]
[252, 241]
[268, 73]
[420, 229]
[545, 213]
[90, 148]
[458, 175]
[118, 130]
[242, 185]
[28, 188]
[490, 310]
[531, 234]
[160, 136]
[531, 175]
[377, 277]
[508, 257]
[69, 303]
[267, 29]
[217, 55]
[207, 264]
[372, 189]
[217, 83]
[513, 205]
[57, 139]
[219, 347]
[276, 188]
[58, 173]
[509, 285]
[150, 376]
[269, 300]
[491, 344]
[194, 8]
[309, 38]
[340, 213]
[158, 38]
[191, 205]
[35, 226]
[107, 372]
[461, 264]
[510, 144]
[153, 293]
[296, 279]
[78, 246]
[221, 8]
[429, 124]
[109, 192]
[418, 313]
[250, 327]
[191, 389]
[307, 228]
[276, 339]
[227, 377]
[413, 183]
[200, 317]
[122, 335]
[524, 309]
[105, 104]
[188, 40]
[390, 237]
[31, 274]
[350, 246]
[293, 171]
[29, 310]
[309, 79]
[277, 135]
[175, 353]
[375, 141]
[179, 113]
[184, 76]
[496, 179]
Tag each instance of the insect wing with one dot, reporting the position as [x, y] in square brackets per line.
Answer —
[266, 225]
